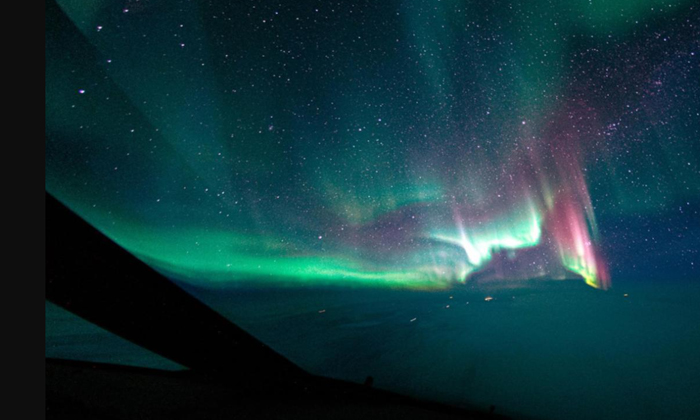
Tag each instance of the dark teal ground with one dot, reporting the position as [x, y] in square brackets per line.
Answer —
[555, 351]
[560, 351]
[71, 337]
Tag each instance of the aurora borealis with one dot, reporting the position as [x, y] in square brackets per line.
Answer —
[401, 144]
[388, 188]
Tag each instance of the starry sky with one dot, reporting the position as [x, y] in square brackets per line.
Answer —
[399, 144]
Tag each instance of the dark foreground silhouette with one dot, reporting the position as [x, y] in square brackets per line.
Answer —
[230, 373]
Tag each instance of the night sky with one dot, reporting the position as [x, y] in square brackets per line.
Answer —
[408, 145]
[382, 143]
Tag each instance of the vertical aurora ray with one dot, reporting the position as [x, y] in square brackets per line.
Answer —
[576, 248]
[574, 231]
[560, 220]
[507, 232]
